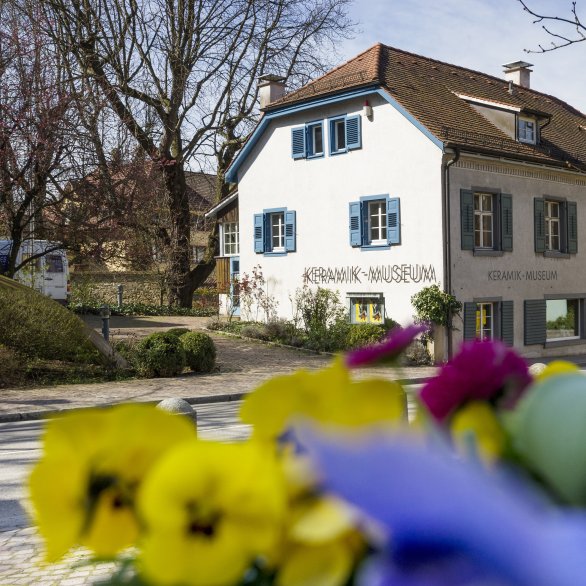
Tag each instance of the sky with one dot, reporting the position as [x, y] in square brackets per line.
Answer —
[478, 34]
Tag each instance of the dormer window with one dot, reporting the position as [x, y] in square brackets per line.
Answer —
[527, 130]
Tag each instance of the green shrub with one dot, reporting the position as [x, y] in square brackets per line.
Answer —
[12, 367]
[391, 324]
[160, 354]
[39, 327]
[256, 331]
[364, 335]
[178, 331]
[200, 351]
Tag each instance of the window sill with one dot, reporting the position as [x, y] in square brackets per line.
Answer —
[341, 152]
[562, 343]
[556, 254]
[487, 252]
[375, 247]
[276, 253]
[320, 156]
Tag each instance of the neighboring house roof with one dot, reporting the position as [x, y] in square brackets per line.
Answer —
[202, 190]
[433, 93]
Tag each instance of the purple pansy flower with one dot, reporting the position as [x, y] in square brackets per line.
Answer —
[450, 522]
[482, 370]
[396, 341]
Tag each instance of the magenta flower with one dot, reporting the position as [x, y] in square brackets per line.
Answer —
[482, 370]
[396, 341]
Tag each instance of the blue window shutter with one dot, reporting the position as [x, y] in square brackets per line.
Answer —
[290, 229]
[393, 221]
[298, 143]
[572, 216]
[353, 133]
[259, 242]
[355, 224]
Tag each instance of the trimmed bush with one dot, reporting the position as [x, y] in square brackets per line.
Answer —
[200, 351]
[364, 335]
[178, 331]
[12, 367]
[159, 355]
[39, 327]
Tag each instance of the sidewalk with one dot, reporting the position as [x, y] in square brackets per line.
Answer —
[242, 365]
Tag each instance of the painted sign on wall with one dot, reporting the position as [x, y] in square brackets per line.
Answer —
[522, 275]
[356, 274]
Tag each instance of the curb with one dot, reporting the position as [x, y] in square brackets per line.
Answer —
[205, 400]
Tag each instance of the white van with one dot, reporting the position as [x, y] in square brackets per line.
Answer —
[48, 274]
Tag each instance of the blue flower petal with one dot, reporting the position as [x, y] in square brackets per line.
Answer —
[430, 501]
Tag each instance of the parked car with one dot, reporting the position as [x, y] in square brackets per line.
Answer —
[48, 273]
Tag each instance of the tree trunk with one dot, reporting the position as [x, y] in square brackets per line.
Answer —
[180, 291]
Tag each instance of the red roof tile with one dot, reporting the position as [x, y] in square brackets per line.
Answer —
[428, 89]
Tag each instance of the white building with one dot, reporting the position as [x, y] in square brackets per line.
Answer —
[395, 171]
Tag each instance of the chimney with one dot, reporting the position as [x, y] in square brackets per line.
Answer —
[270, 88]
[519, 73]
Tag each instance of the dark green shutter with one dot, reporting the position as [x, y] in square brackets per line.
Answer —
[534, 322]
[507, 323]
[572, 216]
[467, 219]
[506, 222]
[539, 224]
[469, 321]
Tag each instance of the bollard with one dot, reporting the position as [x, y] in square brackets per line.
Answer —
[120, 293]
[105, 315]
[179, 407]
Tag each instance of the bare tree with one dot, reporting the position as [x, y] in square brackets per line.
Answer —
[561, 38]
[181, 76]
[35, 130]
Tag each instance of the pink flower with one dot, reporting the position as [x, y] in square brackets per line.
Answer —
[396, 341]
[482, 370]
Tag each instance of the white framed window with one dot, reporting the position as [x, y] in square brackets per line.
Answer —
[230, 239]
[315, 135]
[338, 135]
[483, 220]
[275, 231]
[552, 225]
[377, 222]
[562, 319]
[485, 321]
[527, 130]
[277, 227]
[367, 308]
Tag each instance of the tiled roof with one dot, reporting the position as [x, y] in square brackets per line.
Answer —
[428, 89]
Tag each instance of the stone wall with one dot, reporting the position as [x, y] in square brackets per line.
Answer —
[89, 288]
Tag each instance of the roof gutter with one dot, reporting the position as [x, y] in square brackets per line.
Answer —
[446, 224]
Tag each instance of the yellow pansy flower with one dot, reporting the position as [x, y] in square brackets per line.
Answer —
[476, 427]
[320, 543]
[328, 395]
[83, 488]
[209, 510]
